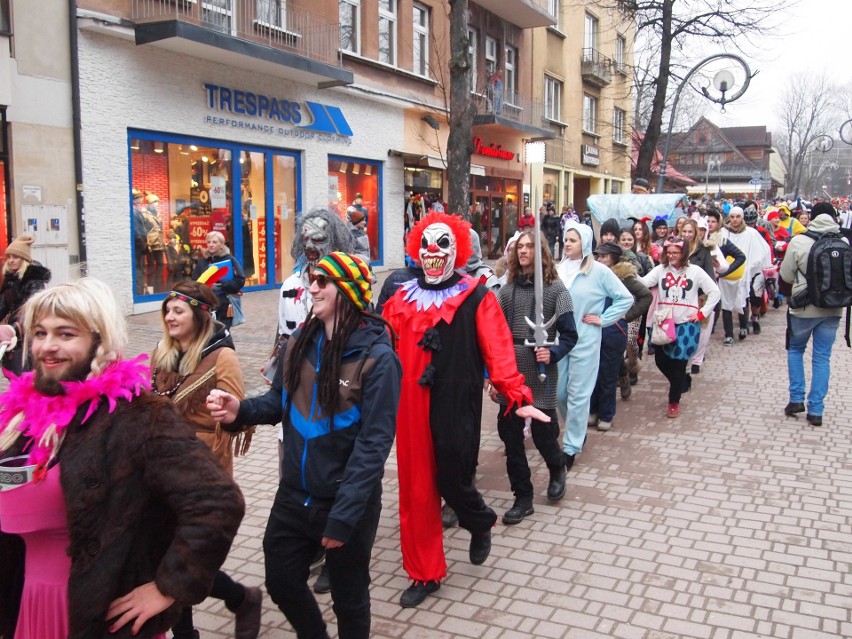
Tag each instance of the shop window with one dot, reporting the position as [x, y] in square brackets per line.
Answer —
[284, 200]
[355, 186]
[5, 221]
[551, 187]
[187, 189]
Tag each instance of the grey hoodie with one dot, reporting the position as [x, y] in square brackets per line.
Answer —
[795, 265]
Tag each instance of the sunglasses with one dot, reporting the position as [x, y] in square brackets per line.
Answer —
[322, 279]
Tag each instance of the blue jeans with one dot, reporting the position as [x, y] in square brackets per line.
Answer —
[824, 331]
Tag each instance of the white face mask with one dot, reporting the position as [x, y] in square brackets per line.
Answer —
[437, 253]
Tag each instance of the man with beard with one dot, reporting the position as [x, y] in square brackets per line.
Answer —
[318, 233]
[141, 516]
[450, 328]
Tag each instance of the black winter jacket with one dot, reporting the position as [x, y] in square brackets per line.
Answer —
[14, 290]
[339, 461]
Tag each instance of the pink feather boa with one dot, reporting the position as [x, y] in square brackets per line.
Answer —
[44, 418]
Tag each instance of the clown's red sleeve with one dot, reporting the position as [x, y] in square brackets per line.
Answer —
[498, 353]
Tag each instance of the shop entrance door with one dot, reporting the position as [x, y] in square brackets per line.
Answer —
[488, 216]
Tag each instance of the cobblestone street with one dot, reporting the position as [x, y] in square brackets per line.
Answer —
[731, 521]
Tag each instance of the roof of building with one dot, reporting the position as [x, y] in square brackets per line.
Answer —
[748, 135]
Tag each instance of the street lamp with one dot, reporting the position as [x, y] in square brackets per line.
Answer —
[723, 82]
[846, 131]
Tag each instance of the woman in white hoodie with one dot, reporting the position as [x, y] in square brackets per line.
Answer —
[679, 284]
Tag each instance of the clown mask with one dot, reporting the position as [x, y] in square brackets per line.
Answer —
[315, 240]
[437, 253]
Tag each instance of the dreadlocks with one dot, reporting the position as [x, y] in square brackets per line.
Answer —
[347, 318]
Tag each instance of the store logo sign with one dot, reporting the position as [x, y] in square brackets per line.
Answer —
[307, 116]
[590, 155]
[491, 150]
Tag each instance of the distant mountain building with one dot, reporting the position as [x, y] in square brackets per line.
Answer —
[735, 161]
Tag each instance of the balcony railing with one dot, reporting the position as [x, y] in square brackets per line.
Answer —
[266, 22]
[512, 106]
[596, 68]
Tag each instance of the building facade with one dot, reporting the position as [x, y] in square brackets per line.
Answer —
[733, 161]
[582, 74]
[167, 120]
[37, 178]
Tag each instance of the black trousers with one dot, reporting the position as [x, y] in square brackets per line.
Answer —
[728, 322]
[546, 439]
[456, 458]
[602, 402]
[224, 588]
[675, 372]
[293, 535]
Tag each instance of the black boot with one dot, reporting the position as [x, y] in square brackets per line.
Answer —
[480, 547]
[556, 487]
[515, 515]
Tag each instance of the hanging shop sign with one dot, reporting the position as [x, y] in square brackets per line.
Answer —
[590, 155]
[247, 110]
[491, 150]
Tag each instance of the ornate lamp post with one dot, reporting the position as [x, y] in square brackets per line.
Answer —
[723, 82]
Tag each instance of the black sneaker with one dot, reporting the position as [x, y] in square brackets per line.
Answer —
[322, 584]
[696, 369]
[569, 460]
[814, 420]
[517, 512]
[728, 341]
[449, 518]
[480, 547]
[755, 327]
[743, 333]
[418, 591]
[793, 408]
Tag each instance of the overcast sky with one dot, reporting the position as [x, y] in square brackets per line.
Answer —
[817, 36]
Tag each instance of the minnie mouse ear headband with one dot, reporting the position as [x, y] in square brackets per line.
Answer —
[675, 242]
[660, 220]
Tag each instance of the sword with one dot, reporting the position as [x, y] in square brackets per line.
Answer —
[539, 326]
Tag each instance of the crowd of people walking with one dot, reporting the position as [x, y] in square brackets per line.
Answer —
[146, 504]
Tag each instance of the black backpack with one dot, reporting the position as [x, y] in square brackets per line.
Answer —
[829, 275]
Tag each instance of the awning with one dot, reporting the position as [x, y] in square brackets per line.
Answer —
[418, 159]
[477, 169]
[727, 187]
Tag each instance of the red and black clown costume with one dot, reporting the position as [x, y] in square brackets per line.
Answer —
[450, 331]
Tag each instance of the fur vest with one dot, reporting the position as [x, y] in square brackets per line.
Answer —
[146, 501]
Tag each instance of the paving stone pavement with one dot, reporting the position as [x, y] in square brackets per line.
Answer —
[731, 521]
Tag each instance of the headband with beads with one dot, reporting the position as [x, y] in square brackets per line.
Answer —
[190, 300]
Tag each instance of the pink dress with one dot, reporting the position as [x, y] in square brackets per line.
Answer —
[36, 511]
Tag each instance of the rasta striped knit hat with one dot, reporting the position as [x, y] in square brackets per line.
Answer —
[351, 275]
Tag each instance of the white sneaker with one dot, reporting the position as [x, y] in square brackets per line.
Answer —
[593, 419]
[604, 425]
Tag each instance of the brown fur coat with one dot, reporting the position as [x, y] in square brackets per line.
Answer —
[146, 501]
